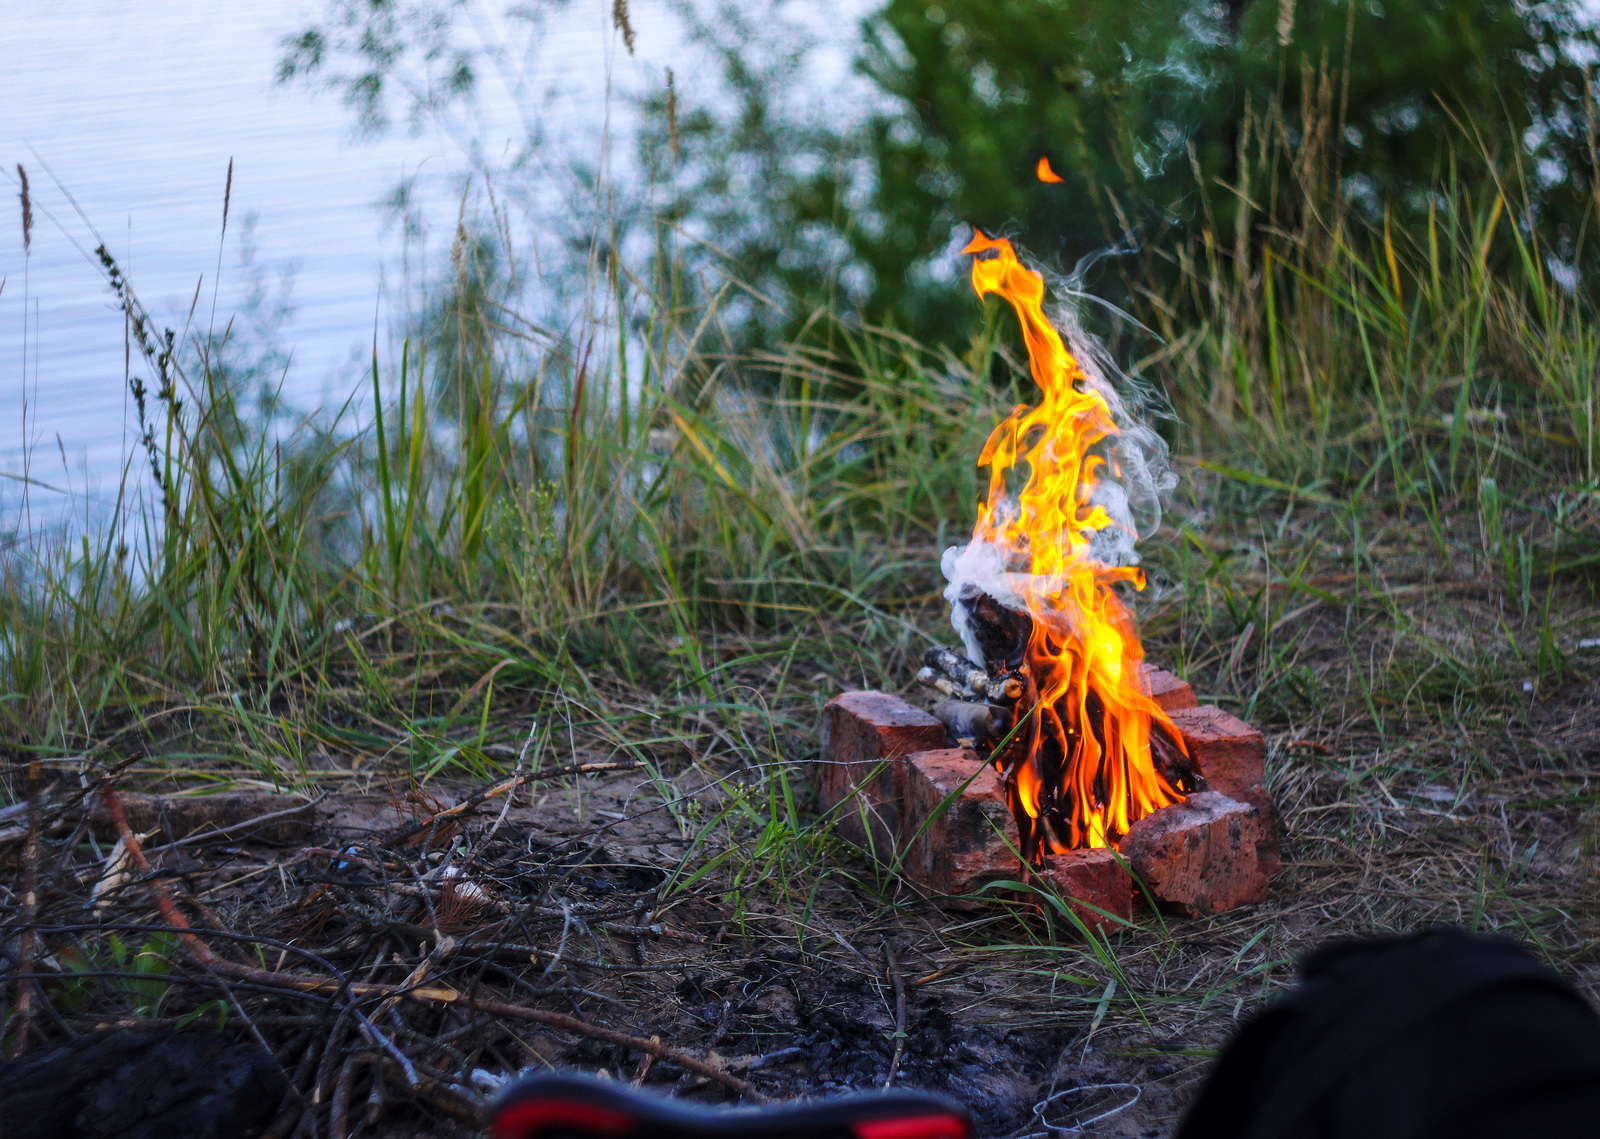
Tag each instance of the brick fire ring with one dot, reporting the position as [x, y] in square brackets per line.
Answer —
[894, 787]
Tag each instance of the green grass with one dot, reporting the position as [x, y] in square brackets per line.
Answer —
[1384, 550]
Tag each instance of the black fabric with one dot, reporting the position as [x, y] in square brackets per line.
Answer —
[141, 1085]
[1444, 1035]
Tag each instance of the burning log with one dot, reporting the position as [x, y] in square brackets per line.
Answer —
[971, 724]
[967, 678]
[979, 708]
[1041, 762]
[1001, 633]
[955, 675]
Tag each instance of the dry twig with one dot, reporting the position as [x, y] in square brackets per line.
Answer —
[29, 946]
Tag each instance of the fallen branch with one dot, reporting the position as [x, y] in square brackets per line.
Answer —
[652, 1047]
[317, 984]
[322, 984]
[893, 968]
[339, 1113]
[158, 889]
[244, 825]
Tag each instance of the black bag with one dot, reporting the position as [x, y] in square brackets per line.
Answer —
[1444, 1035]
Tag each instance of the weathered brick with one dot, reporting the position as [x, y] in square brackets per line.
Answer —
[1168, 691]
[1200, 856]
[864, 736]
[970, 836]
[1230, 754]
[1090, 881]
[1231, 757]
[1267, 846]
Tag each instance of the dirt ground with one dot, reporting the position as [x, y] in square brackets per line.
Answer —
[630, 906]
[798, 1003]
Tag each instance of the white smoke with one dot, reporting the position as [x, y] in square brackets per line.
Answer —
[1132, 482]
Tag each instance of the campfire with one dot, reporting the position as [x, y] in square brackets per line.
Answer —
[1055, 751]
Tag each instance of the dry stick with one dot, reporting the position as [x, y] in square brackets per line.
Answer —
[649, 1047]
[326, 1070]
[442, 947]
[899, 1013]
[30, 898]
[657, 930]
[376, 1038]
[202, 952]
[516, 777]
[161, 1023]
[158, 889]
[169, 911]
[312, 983]
[296, 1103]
[308, 1119]
[375, 1102]
[644, 1065]
[339, 1113]
[70, 847]
[209, 961]
[438, 1090]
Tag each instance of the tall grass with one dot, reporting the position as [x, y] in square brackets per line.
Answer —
[683, 550]
[1399, 407]
[594, 508]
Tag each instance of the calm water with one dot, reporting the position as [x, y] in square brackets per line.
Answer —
[134, 109]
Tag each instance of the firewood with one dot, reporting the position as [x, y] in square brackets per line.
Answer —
[968, 720]
[1001, 632]
[958, 668]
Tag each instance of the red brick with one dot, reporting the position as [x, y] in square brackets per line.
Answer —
[973, 838]
[1168, 691]
[1090, 881]
[864, 736]
[1199, 856]
[1267, 846]
[1230, 754]
[1231, 758]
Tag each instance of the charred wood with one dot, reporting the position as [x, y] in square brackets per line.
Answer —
[1173, 765]
[1002, 633]
[194, 1083]
[958, 669]
[942, 683]
[968, 720]
[954, 675]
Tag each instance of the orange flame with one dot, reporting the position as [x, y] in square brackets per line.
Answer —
[1083, 772]
[1046, 174]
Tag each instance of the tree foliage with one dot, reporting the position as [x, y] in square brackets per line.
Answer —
[1160, 116]
[1143, 107]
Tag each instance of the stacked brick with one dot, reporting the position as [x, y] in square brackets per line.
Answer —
[940, 813]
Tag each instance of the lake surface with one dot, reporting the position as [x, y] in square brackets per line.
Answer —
[135, 109]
